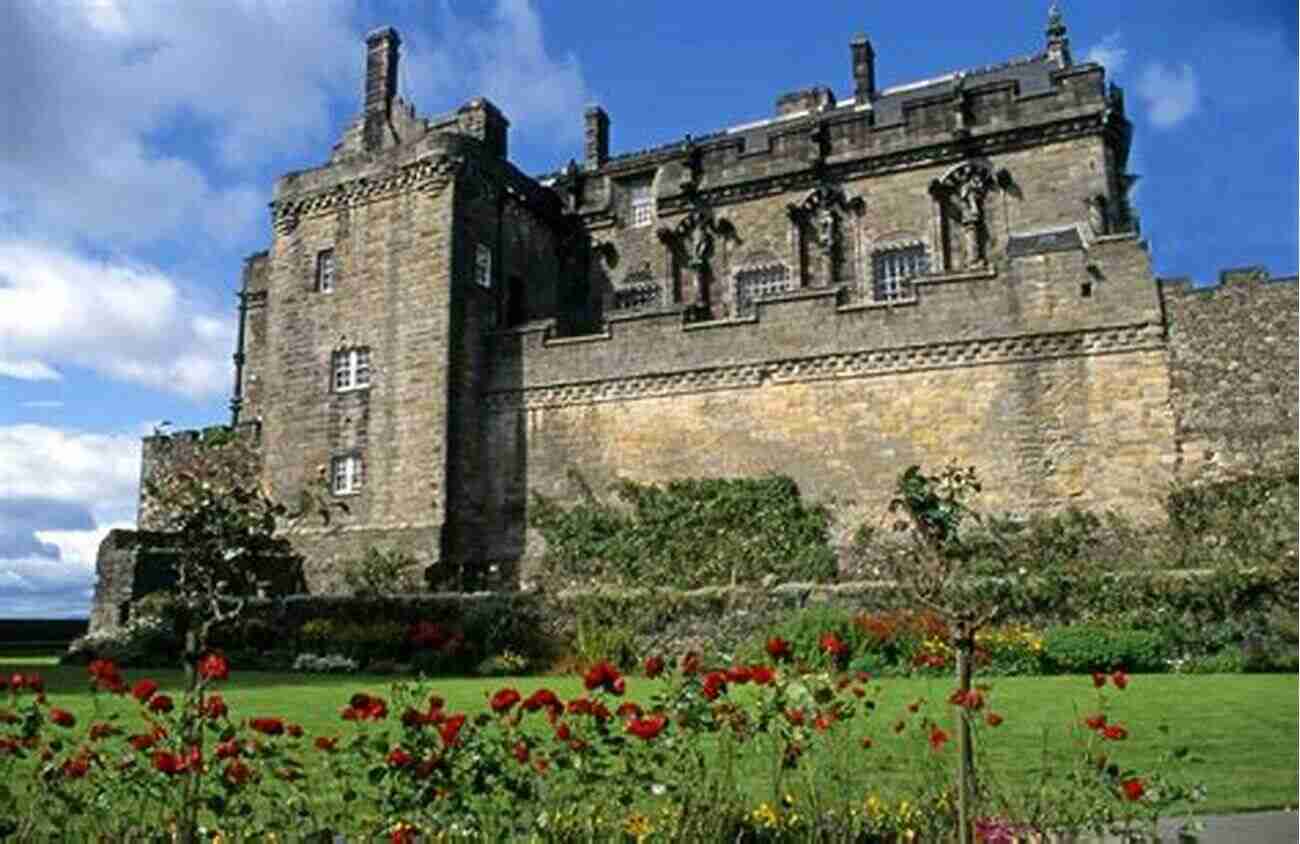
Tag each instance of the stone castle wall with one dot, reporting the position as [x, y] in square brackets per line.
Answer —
[604, 342]
[1233, 363]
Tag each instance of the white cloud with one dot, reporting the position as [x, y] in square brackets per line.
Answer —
[504, 59]
[123, 320]
[93, 86]
[1171, 94]
[27, 370]
[100, 470]
[1109, 54]
[62, 490]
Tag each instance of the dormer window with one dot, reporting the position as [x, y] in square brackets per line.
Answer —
[325, 271]
[641, 204]
[351, 369]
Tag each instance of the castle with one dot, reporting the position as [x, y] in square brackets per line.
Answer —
[944, 269]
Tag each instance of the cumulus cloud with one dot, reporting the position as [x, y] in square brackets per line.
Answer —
[1171, 94]
[94, 89]
[61, 491]
[1110, 54]
[123, 320]
[505, 59]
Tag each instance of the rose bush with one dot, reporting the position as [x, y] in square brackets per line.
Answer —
[766, 751]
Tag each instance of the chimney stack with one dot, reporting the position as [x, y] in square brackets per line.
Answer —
[864, 69]
[596, 147]
[381, 83]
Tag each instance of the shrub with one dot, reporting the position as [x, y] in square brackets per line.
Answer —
[1086, 647]
[383, 572]
[687, 534]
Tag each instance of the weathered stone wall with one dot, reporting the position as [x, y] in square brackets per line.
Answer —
[388, 219]
[1233, 372]
[1059, 398]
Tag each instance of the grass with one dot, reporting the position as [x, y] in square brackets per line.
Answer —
[1242, 729]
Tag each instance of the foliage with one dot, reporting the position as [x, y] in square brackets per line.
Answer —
[145, 641]
[383, 572]
[1249, 520]
[687, 534]
[1081, 648]
[597, 766]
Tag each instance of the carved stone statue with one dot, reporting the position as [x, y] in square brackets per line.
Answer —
[964, 190]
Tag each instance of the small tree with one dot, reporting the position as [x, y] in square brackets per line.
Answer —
[932, 511]
[228, 538]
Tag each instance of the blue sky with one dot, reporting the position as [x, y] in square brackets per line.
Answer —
[140, 141]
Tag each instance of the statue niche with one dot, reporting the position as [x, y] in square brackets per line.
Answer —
[691, 245]
[959, 199]
[820, 224]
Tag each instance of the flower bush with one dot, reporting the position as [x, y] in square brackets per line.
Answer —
[752, 751]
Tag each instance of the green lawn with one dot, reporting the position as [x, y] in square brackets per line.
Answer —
[1242, 728]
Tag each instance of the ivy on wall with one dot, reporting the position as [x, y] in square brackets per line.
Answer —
[687, 534]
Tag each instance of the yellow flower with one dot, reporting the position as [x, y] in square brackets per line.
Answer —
[766, 816]
[638, 826]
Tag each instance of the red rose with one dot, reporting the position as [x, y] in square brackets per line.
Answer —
[647, 728]
[654, 666]
[628, 709]
[833, 646]
[504, 700]
[691, 663]
[1098, 679]
[399, 758]
[168, 763]
[520, 752]
[938, 738]
[1133, 789]
[143, 741]
[102, 730]
[62, 717]
[160, 703]
[739, 674]
[1095, 722]
[76, 767]
[35, 683]
[227, 749]
[993, 719]
[866, 743]
[1114, 732]
[1120, 679]
[294, 730]
[450, 730]
[143, 690]
[267, 726]
[236, 772]
[603, 675]
[403, 834]
[364, 707]
[761, 674]
[214, 707]
[213, 666]
[778, 648]
[542, 699]
[971, 699]
[794, 716]
[414, 718]
[715, 684]
[823, 721]
[105, 675]
[326, 743]
[562, 732]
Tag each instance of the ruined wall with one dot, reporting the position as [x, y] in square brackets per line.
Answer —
[1233, 372]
